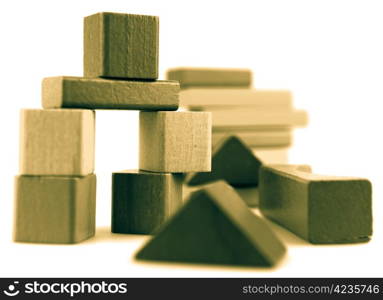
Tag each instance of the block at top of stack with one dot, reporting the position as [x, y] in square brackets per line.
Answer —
[210, 77]
[121, 46]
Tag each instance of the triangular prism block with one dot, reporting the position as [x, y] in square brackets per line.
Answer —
[215, 227]
[233, 161]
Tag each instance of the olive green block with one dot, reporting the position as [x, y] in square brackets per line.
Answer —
[98, 93]
[142, 201]
[233, 161]
[210, 77]
[319, 209]
[121, 46]
[215, 226]
[55, 209]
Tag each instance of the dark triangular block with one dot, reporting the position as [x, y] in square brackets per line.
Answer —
[232, 161]
[215, 227]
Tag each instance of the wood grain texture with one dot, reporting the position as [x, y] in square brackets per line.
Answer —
[175, 142]
[216, 99]
[241, 118]
[121, 46]
[258, 139]
[232, 161]
[210, 77]
[215, 227]
[143, 201]
[55, 209]
[97, 93]
[320, 209]
[57, 142]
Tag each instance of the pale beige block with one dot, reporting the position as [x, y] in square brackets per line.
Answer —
[57, 142]
[228, 118]
[272, 155]
[175, 142]
[258, 138]
[210, 99]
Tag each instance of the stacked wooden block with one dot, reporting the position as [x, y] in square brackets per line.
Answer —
[55, 194]
[263, 119]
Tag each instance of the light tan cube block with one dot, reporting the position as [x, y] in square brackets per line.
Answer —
[57, 142]
[175, 142]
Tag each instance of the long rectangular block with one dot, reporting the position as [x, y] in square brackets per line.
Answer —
[55, 209]
[98, 93]
[121, 46]
[261, 118]
[175, 142]
[213, 99]
[210, 77]
[57, 142]
[320, 209]
[143, 201]
[270, 138]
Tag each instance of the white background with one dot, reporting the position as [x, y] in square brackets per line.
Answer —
[329, 53]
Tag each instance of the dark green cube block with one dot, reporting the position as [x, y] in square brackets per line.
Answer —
[55, 209]
[142, 201]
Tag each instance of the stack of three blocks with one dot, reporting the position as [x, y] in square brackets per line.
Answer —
[56, 192]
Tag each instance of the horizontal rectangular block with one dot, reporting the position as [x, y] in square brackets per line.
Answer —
[250, 128]
[279, 155]
[175, 142]
[55, 209]
[57, 142]
[210, 77]
[143, 201]
[98, 93]
[252, 118]
[258, 138]
[215, 99]
[121, 46]
[320, 209]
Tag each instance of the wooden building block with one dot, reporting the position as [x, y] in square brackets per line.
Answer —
[121, 46]
[216, 99]
[57, 142]
[143, 201]
[254, 118]
[55, 209]
[232, 161]
[272, 155]
[249, 194]
[215, 227]
[281, 138]
[175, 142]
[320, 209]
[98, 93]
[210, 77]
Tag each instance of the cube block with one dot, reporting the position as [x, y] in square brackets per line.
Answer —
[121, 46]
[55, 209]
[175, 142]
[143, 201]
[57, 142]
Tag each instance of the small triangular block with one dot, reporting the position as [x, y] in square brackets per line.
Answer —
[215, 227]
[233, 161]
